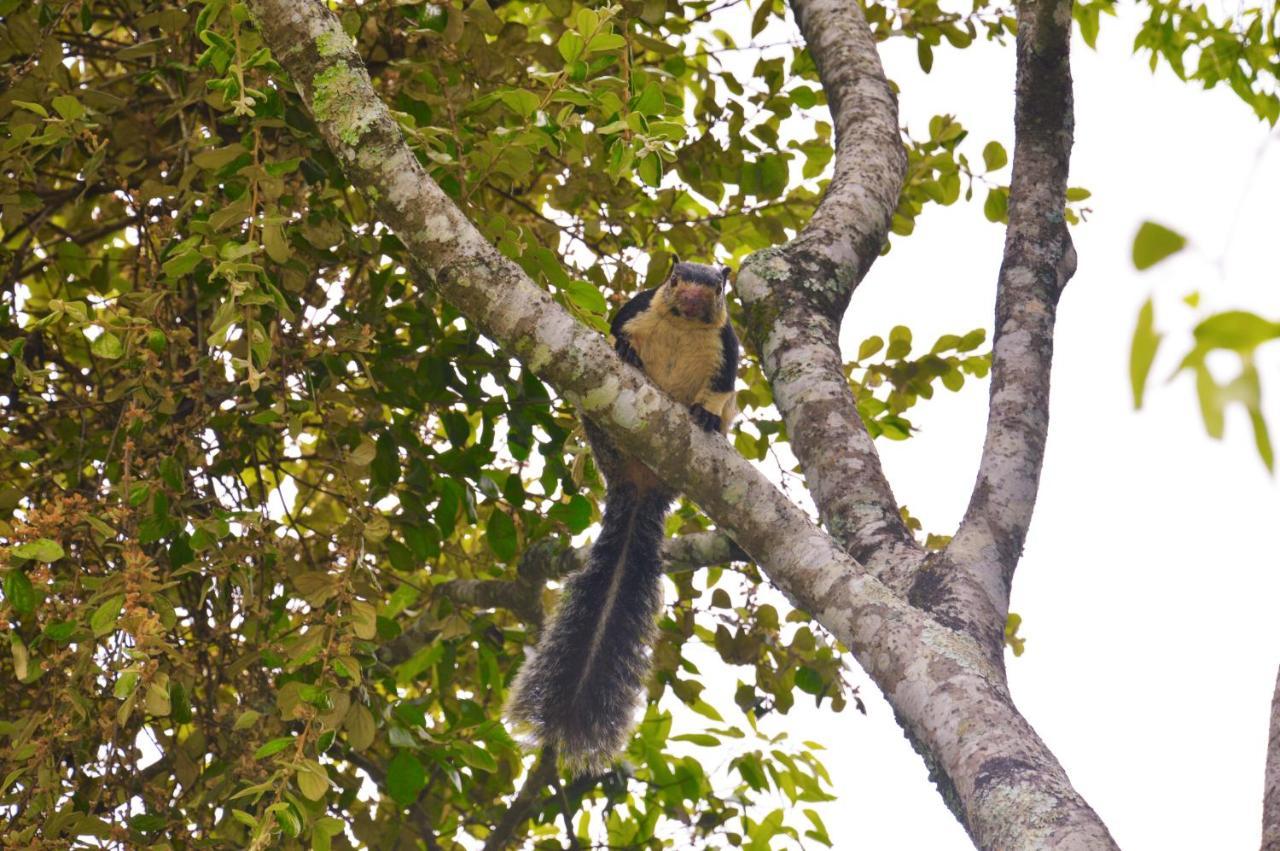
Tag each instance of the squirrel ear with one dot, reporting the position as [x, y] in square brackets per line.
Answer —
[725, 271]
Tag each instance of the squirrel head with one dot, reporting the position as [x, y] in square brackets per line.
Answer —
[696, 292]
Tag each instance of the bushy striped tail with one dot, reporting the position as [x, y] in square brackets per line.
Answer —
[580, 689]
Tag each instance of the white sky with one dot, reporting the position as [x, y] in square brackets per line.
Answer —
[1150, 578]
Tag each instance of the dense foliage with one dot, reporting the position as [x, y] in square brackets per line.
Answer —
[276, 524]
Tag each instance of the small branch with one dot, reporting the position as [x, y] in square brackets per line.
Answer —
[1271, 786]
[968, 585]
[519, 809]
[545, 560]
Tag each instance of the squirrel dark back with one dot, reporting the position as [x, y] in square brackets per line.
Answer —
[580, 689]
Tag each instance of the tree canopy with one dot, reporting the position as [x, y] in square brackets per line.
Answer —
[278, 521]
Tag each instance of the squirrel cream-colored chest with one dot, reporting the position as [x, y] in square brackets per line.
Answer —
[679, 355]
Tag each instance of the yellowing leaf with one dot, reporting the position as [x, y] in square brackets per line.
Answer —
[312, 779]
[360, 726]
[364, 620]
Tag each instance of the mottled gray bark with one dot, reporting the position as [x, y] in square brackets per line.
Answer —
[795, 295]
[967, 586]
[1271, 782]
[943, 686]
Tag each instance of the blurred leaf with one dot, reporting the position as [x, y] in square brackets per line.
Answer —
[1154, 243]
[1142, 352]
[405, 778]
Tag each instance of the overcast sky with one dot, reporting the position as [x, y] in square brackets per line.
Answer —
[1150, 578]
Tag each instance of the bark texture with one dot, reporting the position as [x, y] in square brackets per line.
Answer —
[1271, 784]
[796, 295]
[947, 691]
[968, 585]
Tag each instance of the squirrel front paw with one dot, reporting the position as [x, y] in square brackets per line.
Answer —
[628, 353]
[704, 418]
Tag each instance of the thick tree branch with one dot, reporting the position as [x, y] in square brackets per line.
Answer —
[1013, 793]
[797, 294]
[967, 585]
[1271, 785]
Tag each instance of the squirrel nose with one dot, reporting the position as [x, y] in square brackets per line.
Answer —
[695, 302]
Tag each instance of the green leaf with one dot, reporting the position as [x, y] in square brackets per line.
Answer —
[1142, 352]
[32, 107]
[500, 533]
[587, 22]
[19, 592]
[773, 176]
[1262, 437]
[570, 45]
[60, 631]
[650, 101]
[287, 818]
[1236, 329]
[125, 684]
[524, 102]
[650, 170]
[1154, 243]
[994, 156]
[1011, 624]
[606, 41]
[804, 97]
[808, 680]
[324, 830]
[1210, 396]
[364, 619]
[215, 158]
[924, 55]
[405, 778]
[312, 779]
[146, 822]
[41, 549]
[869, 347]
[585, 296]
[107, 345]
[246, 719]
[576, 513]
[68, 107]
[899, 342]
[996, 208]
[476, 756]
[181, 264]
[360, 726]
[385, 468]
[180, 702]
[103, 620]
[273, 747]
[705, 709]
